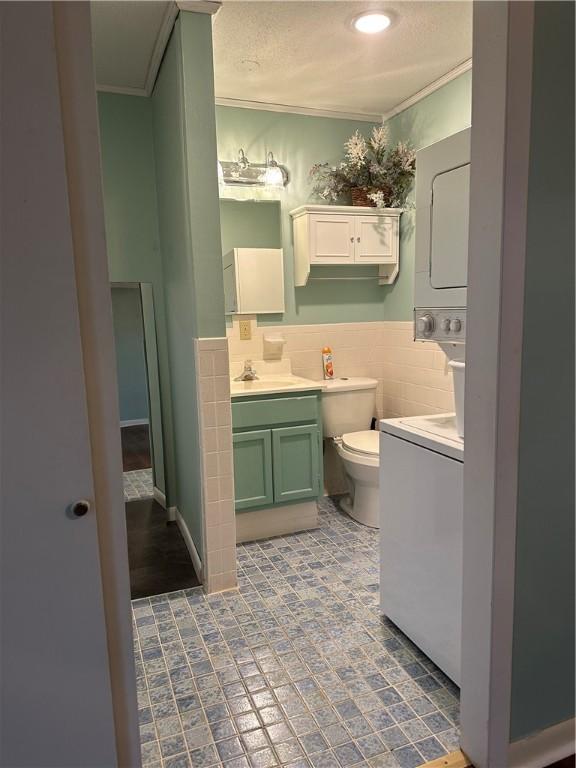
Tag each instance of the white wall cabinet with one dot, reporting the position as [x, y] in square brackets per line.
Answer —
[346, 235]
[254, 281]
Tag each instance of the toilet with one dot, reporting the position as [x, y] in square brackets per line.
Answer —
[347, 411]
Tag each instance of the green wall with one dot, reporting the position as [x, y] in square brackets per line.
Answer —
[444, 112]
[201, 167]
[130, 355]
[299, 141]
[188, 211]
[543, 652]
[131, 220]
[170, 153]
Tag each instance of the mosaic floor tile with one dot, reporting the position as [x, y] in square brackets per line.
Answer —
[138, 484]
[295, 668]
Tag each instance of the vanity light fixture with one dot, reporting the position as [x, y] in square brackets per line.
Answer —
[371, 23]
[274, 175]
[242, 172]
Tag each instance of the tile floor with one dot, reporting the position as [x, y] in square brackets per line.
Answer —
[295, 668]
[138, 484]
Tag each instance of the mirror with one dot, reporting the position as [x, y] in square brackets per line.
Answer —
[250, 224]
[252, 255]
[138, 390]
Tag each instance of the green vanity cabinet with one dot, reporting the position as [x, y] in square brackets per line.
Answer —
[253, 483]
[277, 444]
[296, 463]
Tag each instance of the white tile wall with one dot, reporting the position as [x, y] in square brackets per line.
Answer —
[413, 377]
[219, 557]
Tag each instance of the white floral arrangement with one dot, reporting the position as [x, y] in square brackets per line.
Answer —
[372, 172]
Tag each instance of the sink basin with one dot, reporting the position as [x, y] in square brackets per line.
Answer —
[272, 384]
[266, 383]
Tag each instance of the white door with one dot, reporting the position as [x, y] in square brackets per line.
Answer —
[375, 239]
[331, 239]
[449, 228]
[56, 707]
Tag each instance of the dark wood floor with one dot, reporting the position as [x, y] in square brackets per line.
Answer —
[136, 448]
[568, 762]
[158, 558]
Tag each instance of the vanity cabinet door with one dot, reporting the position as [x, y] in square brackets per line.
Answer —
[331, 239]
[253, 484]
[296, 462]
[376, 239]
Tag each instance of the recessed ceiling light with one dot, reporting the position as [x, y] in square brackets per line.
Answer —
[371, 23]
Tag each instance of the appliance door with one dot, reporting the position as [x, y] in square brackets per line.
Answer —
[442, 210]
[421, 510]
[449, 237]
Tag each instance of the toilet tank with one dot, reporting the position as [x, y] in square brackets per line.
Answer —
[347, 405]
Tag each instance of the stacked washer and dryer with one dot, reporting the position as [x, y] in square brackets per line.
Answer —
[421, 458]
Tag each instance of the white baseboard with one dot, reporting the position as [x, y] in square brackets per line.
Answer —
[134, 422]
[172, 513]
[543, 748]
[194, 556]
[159, 497]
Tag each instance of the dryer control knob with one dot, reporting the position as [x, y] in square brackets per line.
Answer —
[446, 325]
[456, 325]
[425, 324]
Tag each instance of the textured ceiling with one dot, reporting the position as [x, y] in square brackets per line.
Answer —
[305, 53]
[298, 53]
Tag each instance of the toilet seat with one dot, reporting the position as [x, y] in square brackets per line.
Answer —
[365, 443]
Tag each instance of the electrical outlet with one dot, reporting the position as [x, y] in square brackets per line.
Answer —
[245, 330]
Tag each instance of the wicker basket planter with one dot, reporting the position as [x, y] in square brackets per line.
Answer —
[360, 197]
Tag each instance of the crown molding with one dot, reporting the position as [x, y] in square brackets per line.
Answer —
[160, 46]
[267, 107]
[200, 6]
[434, 86]
[368, 118]
[207, 6]
[121, 89]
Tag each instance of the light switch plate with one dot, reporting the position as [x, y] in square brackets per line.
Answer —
[245, 330]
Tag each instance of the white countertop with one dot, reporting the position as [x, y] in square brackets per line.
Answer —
[274, 377]
[272, 384]
[436, 432]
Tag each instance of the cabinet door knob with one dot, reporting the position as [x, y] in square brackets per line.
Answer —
[351, 239]
[80, 508]
[357, 239]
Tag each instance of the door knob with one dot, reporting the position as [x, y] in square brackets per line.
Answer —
[80, 508]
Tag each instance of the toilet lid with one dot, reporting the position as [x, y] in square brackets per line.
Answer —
[363, 442]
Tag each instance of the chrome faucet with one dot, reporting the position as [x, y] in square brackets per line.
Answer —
[249, 372]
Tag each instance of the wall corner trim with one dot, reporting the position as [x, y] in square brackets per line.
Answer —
[194, 556]
[543, 748]
[200, 6]
[433, 86]
[160, 44]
